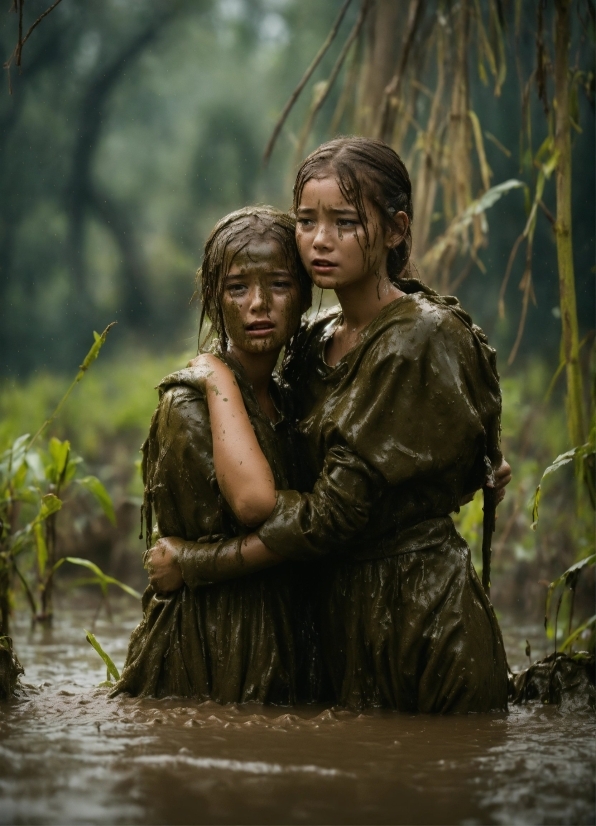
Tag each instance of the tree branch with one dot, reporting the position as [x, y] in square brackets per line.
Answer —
[305, 78]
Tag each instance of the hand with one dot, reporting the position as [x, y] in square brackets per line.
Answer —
[502, 477]
[205, 366]
[161, 563]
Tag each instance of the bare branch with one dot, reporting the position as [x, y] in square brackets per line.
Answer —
[16, 55]
[324, 93]
[305, 78]
[37, 22]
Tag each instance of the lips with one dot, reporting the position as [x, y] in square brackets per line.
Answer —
[322, 265]
[260, 328]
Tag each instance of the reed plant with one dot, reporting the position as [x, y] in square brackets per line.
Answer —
[34, 485]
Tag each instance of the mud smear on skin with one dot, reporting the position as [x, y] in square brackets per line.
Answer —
[70, 755]
[231, 309]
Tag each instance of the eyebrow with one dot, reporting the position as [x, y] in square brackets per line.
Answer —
[335, 210]
[229, 276]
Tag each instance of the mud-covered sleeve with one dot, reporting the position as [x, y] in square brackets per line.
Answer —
[183, 486]
[413, 407]
[407, 411]
[303, 525]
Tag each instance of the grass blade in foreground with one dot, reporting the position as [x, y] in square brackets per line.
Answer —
[102, 578]
[112, 670]
[87, 362]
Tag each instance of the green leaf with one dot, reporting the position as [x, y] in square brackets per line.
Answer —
[459, 224]
[567, 579]
[93, 353]
[103, 579]
[16, 451]
[49, 504]
[561, 460]
[574, 105]
[578, 631]
[71, 469]
[94, 486]
[112, 670]
[20, 476]
[570, 576]
[59, 453]
[546, 149]
[35, 465]
[89, 359]
[551, 164]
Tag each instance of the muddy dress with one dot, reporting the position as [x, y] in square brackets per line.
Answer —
[396, 434]
[231, 641]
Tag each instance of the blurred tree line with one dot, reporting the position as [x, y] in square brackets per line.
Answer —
[133, 126]
[131, 129]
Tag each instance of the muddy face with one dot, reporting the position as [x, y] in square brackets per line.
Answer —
[260, 298]
[332, 240]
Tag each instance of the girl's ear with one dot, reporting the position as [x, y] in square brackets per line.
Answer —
[396, 231]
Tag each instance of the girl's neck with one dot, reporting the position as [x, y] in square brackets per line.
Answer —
[362, 302]
[259, 368]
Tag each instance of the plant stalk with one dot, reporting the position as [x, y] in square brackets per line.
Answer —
[562, 228]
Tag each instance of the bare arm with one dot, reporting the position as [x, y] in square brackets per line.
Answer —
[242, 471]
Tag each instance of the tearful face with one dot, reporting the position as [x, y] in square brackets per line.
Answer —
[261, 298]
[332, 240]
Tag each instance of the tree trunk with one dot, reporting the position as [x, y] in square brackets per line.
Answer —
[574, 401]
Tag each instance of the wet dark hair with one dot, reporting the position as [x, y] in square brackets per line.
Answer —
[365, 168]
[228, 237]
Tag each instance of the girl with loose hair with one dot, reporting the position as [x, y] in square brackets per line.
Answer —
[235, 641]
[399, 405]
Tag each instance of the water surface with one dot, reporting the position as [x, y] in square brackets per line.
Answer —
[68, 754]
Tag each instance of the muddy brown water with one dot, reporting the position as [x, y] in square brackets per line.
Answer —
[68, 754]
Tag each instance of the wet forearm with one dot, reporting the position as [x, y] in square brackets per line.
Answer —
[202, 563]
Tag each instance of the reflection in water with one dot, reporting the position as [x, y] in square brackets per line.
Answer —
[68, 754]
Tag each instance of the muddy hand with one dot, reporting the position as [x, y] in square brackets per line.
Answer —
[161, 564]
[205, 366]
[502, 477]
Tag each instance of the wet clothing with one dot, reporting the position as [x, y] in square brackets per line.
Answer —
[395, 434]
[232, 641]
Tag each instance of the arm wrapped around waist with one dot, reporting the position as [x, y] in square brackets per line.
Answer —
[304, 525]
